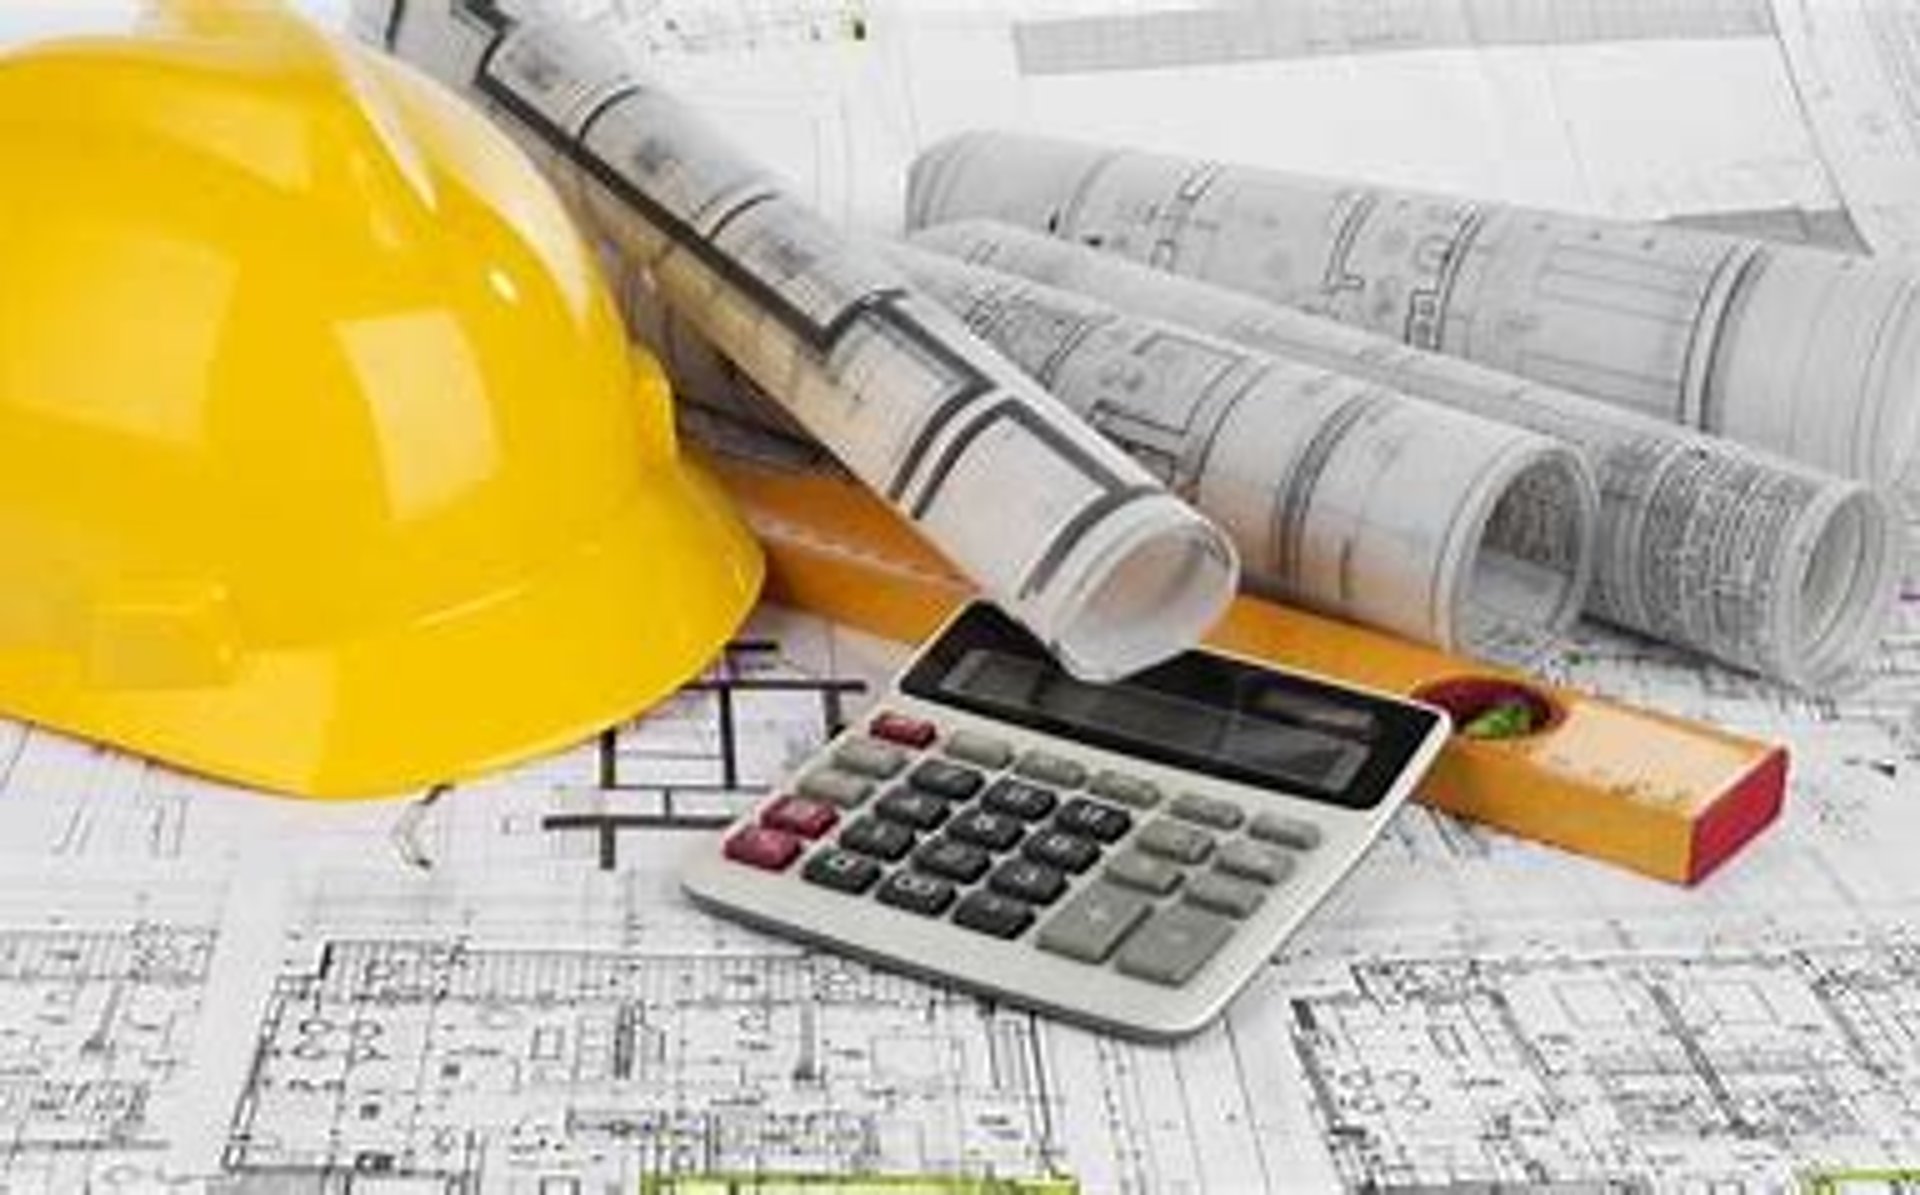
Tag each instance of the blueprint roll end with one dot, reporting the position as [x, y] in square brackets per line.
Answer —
[1159, 589]
[1532, 558]
[1845, 583]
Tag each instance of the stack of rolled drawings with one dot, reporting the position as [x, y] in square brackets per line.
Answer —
[1103, 383]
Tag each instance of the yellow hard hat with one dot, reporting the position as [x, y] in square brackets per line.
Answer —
[325, 464]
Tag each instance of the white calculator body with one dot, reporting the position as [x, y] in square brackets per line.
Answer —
[1125, 855]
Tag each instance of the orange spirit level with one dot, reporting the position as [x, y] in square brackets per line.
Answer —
[1660, 795]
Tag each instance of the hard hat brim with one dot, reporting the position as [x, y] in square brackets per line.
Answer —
[621, 620]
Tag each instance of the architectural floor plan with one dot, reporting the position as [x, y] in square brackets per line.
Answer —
[448, 993]
[496, 987]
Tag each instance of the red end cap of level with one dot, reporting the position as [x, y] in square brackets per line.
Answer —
[1739, 815]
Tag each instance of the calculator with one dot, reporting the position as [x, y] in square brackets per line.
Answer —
[1125, 855]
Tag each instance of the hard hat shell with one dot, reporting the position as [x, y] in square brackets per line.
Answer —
[325, 464]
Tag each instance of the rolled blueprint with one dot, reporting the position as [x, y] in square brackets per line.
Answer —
[1341, 494]
[1805, 353]
[1760, 562]
[1056, 524]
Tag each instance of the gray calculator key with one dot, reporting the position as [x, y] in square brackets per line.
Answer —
[1128, 790]
[1251, 861]
[943, 779]
[992, 913]
[1208, 811]
[1090, 925]
[869, 757]
[889, 841]
[841, 870]
[1048, 768]
[1035, 883]
[1175, 840]
[1137, 869]
[841, 788]
[977, 748]
[921, 811]
[926, 895]
[1174, 944]
[1287, 831]
[983, 827]
[1017, 798]
[1222, 894]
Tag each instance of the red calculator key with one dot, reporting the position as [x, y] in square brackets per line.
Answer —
[799, 815]
[759, 846]
[898, 728]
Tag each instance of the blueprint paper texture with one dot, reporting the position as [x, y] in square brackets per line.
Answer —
[1102, 562]
[1469, 1010]
[1857, 74]
[1802, 598]
[1809, 354]
[498, 988]
[1342, 495]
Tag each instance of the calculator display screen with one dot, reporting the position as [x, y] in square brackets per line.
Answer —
[1225, 717]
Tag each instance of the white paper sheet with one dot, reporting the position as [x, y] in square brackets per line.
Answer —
[1802, 598]
[1801, 352]
[277, 996]
[1341, 494]
[1086, 548]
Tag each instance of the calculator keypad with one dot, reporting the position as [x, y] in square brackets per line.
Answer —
[955, 860]
[915, 810]
[992, 913]
[842, 871]
[870, 757]
[926, 895]
[950, 780]
[961, 826]
[984, 750]
[803, 816]
[1017, 798]
[842, 788]
[883, 840]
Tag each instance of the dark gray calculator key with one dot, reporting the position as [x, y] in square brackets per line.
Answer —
[1176, 841]
[981, 749]
[1208, 811]
[955, 860]
[869, 757]
[1057, 848]
[1094, 820]
[843, 871]
[983, 827]
[1252, 861]
[926, 895]
[841, 788]
[1035, 883]
[1137, 869]
[881, 839]
[1174, 944]
[916, 809]
[1223, 894]
[1127, 790]
[1090, 925]
[992, 913]
[1049, 768]
[953, 781]
[1017, 798]
[1286, 831]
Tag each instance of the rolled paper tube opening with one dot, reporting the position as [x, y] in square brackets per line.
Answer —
[1846, 590]
[1165, 586]
[1533, 562]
